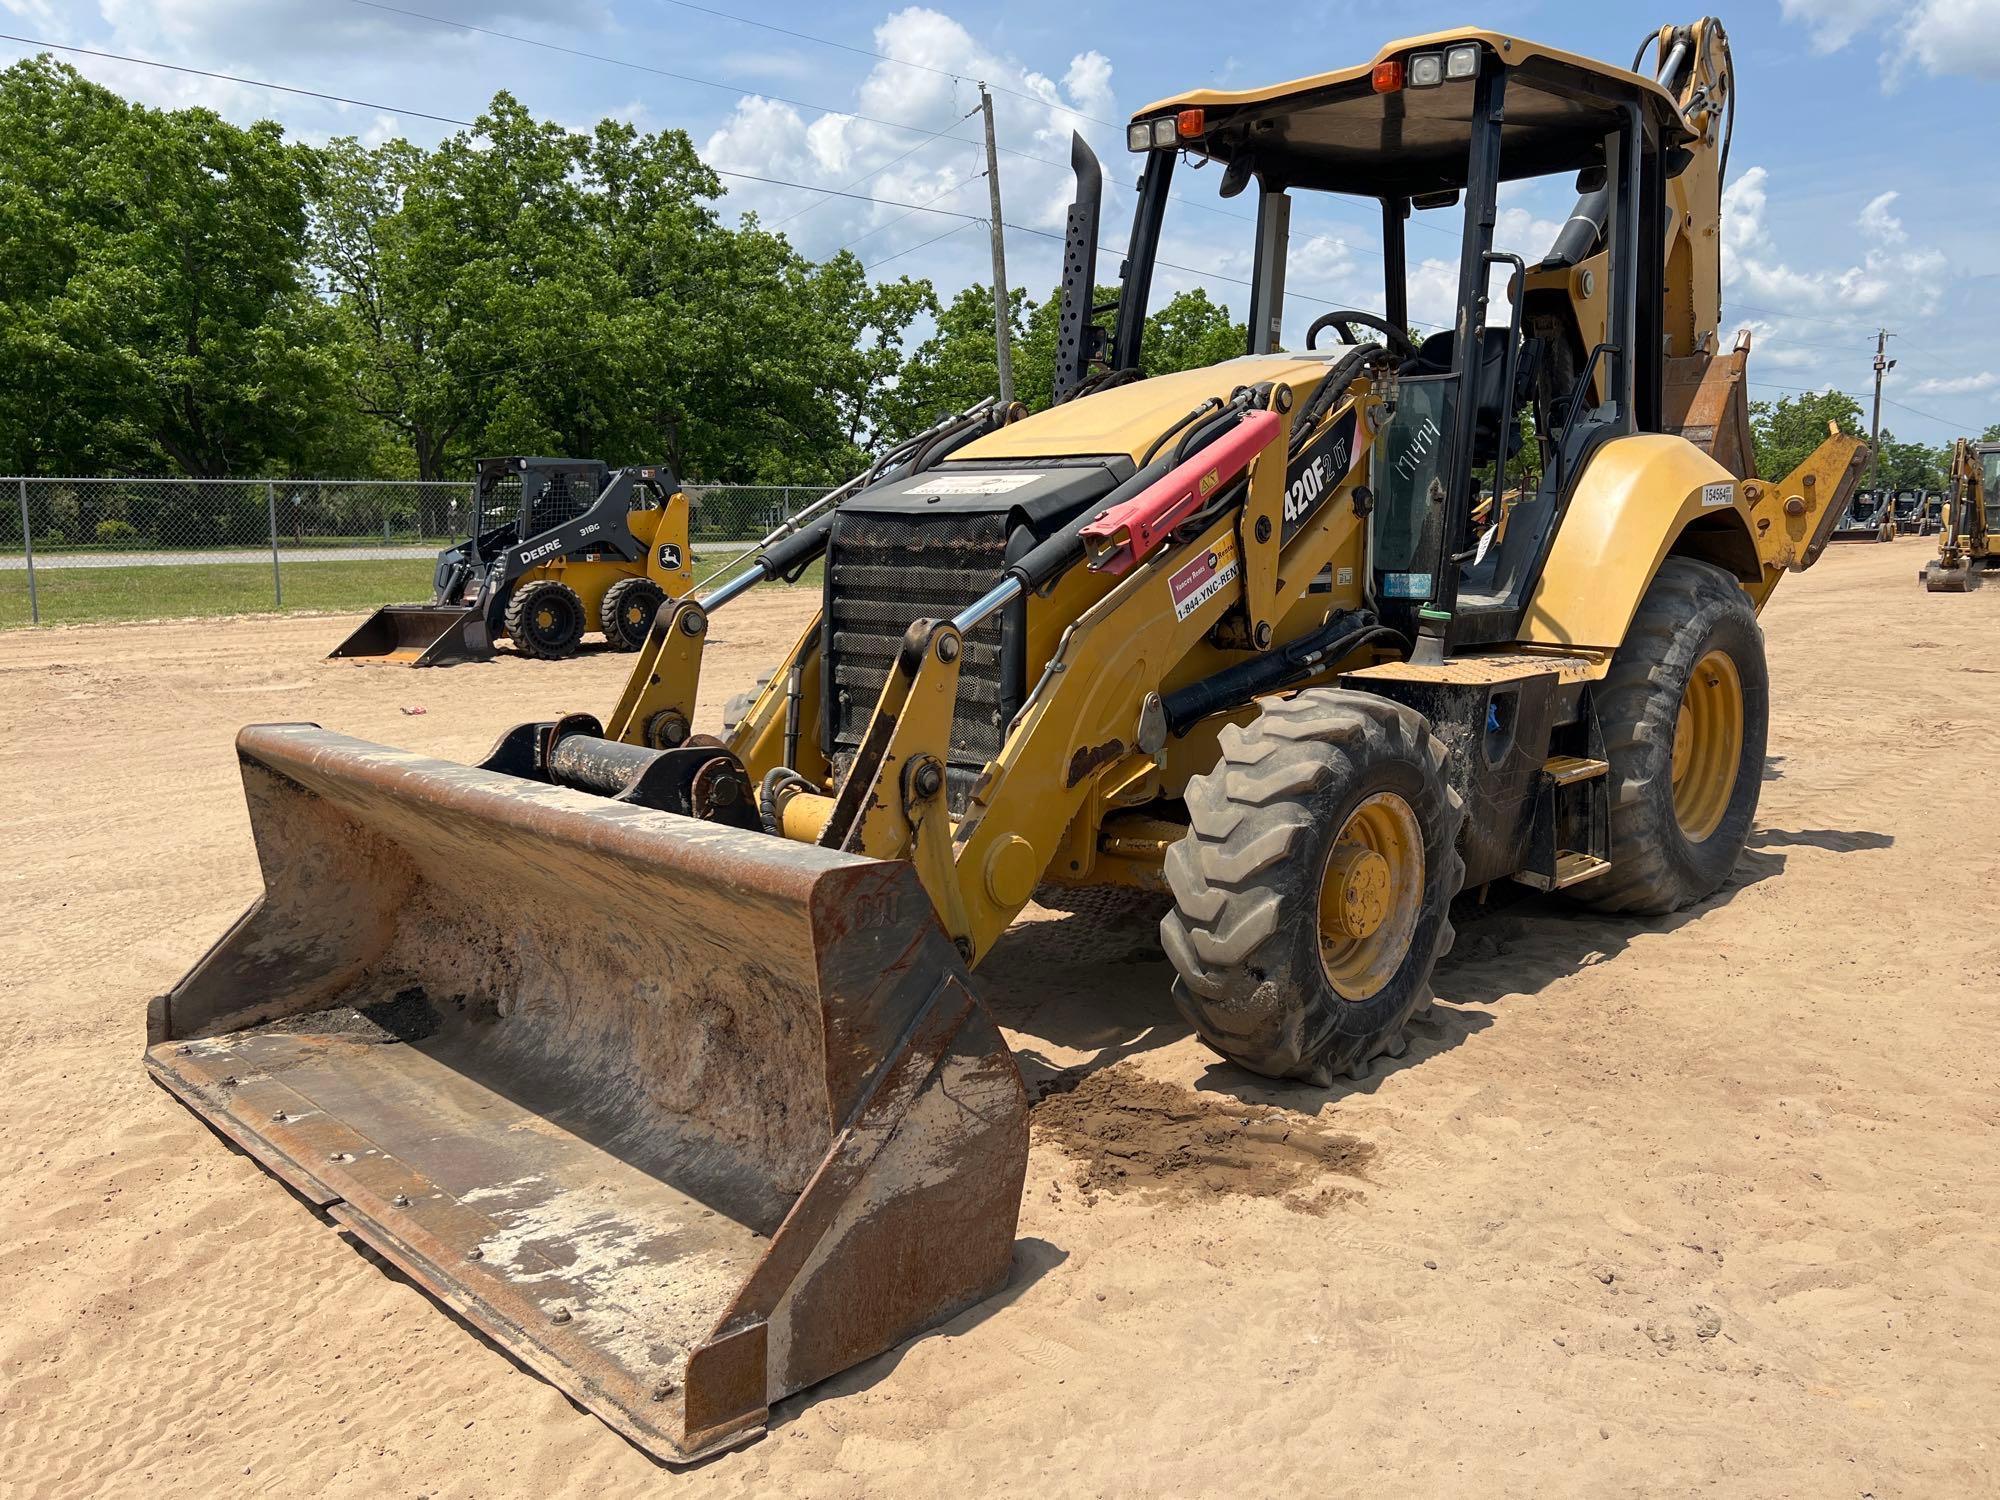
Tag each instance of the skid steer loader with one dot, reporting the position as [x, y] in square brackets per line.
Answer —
[1868, 518]
[559, 547]
[657, 1055]
[1969, 537]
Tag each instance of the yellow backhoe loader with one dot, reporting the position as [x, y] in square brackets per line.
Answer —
[1969, 538]
[658, 1057]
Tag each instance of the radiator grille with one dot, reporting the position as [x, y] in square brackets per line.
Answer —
[883, 572]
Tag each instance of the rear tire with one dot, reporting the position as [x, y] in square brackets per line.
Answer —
[1694, 616]
[627, 612]
[737, 708]
[545, 620]
[1316, 782]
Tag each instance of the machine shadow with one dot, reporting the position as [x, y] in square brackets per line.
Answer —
[1834, 840]
[1033, 1259]
[1097, 982]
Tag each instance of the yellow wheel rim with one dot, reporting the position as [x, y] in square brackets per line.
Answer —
[545, 619]
[1370, 896]
[1708, 745]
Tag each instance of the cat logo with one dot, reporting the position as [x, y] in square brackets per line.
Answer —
[1208, 482]
[670, 557]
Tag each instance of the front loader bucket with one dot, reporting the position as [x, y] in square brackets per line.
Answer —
[418, 635]
[686, 1118]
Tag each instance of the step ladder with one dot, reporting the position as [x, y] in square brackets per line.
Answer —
[1571, 838]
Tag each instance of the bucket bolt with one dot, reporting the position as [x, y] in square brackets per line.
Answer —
[926, 778]
[667, 729]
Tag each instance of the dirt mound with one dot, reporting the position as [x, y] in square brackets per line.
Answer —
[1135, 1134]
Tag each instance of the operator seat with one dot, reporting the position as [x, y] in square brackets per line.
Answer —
[1494, 423]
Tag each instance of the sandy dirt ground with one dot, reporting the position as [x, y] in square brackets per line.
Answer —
[1701, 1205]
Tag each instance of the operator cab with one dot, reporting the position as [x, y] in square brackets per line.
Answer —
[1494, 415]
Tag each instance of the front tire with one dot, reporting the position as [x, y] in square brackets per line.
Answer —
[627, 612]
[1312, 892]
[545, 620]
[1685, 711]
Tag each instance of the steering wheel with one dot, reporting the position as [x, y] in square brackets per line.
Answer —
[1343, 319]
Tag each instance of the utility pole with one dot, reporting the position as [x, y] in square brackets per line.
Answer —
[1003, 307]
[1882, 367]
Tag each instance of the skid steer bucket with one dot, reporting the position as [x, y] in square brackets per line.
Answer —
[686, 1118]
[419, 635]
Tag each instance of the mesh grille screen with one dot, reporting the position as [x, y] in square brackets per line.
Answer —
[885, 572]
[564, 497]
[499, 503]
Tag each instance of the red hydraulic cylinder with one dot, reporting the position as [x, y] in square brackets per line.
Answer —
[1127, 533]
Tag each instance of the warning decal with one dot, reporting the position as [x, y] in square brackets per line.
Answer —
[972, 484]
[1194, 583]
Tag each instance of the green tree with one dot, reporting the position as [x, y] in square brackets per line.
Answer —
[153, 299]
[1909, 466]
[1189, 332]
[1785, 431]
[529, 288]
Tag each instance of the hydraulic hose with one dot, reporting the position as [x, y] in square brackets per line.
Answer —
[1236, 685]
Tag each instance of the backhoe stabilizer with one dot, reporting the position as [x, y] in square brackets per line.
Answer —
[686, 1118]
[1797, 516]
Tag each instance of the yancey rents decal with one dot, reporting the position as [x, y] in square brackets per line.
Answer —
[1194, 583]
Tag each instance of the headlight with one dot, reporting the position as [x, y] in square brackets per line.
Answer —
[1426, 70]
[1462, 61]
[1139, 136]
[1163, 131]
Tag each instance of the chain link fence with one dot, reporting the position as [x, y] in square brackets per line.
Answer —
[74, 550]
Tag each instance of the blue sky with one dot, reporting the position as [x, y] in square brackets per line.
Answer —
[1865, 131]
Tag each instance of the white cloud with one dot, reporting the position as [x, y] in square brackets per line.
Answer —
[1892, 275]
[1832, 24]
[1743, 206]
[1955, 36]
[1878, 223]
[1957, 385]
[1033, 116]
[1940, 36]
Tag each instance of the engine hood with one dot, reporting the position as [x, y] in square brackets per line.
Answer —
[1126, 419]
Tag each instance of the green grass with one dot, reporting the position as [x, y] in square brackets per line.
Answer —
[74, 596]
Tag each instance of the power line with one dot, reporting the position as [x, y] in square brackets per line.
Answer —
[730, 88]
[147, 62]
[1820, 390]
[892, 161]
[639, 67]
[925, 245]
[914, 209]
[901, 62]
[804, 187]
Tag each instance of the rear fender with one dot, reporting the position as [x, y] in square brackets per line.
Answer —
[1632, 507]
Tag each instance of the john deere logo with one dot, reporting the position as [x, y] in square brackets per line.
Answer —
[670, 557]
[1209, 482]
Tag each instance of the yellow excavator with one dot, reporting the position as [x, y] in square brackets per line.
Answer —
[659, 1056]
[1969, 535]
